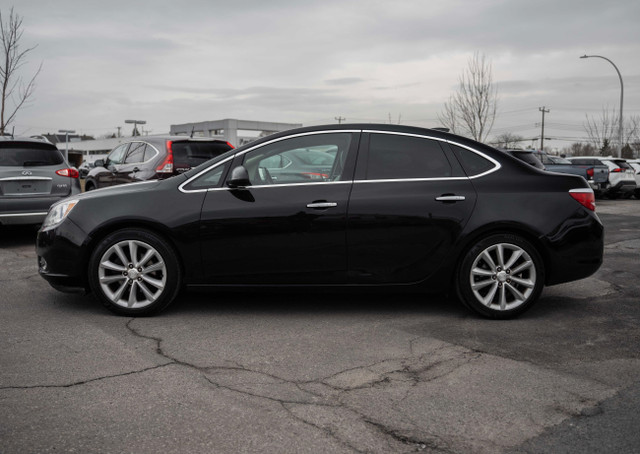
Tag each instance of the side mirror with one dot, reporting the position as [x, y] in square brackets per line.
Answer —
[239, 178]
[98, 163]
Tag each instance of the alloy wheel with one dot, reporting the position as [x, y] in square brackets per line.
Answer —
[132, 274]
[503, 277]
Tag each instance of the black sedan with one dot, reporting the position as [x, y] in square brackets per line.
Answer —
[398, 207]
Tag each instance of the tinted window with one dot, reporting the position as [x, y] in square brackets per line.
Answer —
[622, 164]
[136, 153]
[187, 155]
[17, 154]
[312, 158]
[394, 156]
[473, 163]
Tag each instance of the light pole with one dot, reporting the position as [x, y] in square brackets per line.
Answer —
[66, 133]
[135, 125]
[621, 98]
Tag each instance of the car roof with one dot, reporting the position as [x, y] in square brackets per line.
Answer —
[11, 139]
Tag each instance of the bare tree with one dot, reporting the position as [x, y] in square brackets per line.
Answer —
[14, 90]
[471, 110]
[507, 140]
[603, 130]
[580, 149]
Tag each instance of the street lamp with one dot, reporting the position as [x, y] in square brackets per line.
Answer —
[621, 98]
[135, 124]
[66, 133]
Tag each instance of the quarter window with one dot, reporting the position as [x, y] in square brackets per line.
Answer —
[398, 157]
[473, 163]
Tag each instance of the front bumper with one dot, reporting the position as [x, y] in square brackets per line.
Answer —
[62, 257]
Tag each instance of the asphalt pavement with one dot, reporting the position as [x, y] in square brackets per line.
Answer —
[309, 372]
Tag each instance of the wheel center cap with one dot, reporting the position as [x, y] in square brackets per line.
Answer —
[502, 276]
[133, 274]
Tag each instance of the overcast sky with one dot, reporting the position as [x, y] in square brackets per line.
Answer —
[170, 62]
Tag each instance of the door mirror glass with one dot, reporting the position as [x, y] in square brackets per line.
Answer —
[239, 178]
[98, 163]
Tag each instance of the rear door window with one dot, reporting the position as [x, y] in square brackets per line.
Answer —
[136, 153]
[26, 154]
[189, 154]
[394, 156]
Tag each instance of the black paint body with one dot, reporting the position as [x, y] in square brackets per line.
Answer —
[380, 232]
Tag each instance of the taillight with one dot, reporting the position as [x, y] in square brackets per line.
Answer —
[315, 175]
[585, 197]
[590, 172]
[232, 147]
[70, 173]
[167, 164]
[617, 170]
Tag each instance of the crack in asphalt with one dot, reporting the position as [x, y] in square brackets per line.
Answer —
[90, 380]
[408, 367]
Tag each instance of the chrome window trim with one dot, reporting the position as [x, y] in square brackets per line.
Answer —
[26, 179]
[497, 165]
[302, 134]
[411, 180]
[285, 185]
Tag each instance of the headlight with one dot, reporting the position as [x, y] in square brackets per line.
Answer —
[58, 212]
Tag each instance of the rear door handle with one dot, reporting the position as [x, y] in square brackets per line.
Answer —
[450, 198]
[321, 205]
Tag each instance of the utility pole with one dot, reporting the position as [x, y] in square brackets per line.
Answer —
[544, 111]
[340, 119]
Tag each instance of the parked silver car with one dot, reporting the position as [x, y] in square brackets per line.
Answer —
[33, 176]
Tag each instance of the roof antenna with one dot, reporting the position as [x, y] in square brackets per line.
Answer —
[192, 129]
[13, 131]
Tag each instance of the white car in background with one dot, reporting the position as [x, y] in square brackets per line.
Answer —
[635, 165]
[622, 177]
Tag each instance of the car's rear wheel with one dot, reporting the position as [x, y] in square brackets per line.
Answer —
[501, 276]
[134, 272]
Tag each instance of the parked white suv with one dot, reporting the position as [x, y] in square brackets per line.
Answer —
[622, 179]
[635, 165]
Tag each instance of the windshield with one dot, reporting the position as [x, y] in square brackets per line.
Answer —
[25, 154]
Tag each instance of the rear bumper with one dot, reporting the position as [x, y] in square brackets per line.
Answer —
[575, 251]
[622, 187]
[25, 210]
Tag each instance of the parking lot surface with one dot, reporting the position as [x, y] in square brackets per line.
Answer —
[309, 372]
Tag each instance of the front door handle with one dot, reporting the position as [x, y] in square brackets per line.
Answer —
[321, 205]
[450, 198]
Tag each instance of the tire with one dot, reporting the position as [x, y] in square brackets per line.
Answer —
[134, 272]
[88, 186]
[500, 277]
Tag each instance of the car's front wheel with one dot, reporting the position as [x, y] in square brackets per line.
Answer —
[134, 272]
[501, 276]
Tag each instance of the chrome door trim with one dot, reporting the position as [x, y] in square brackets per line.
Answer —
[322, 205]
